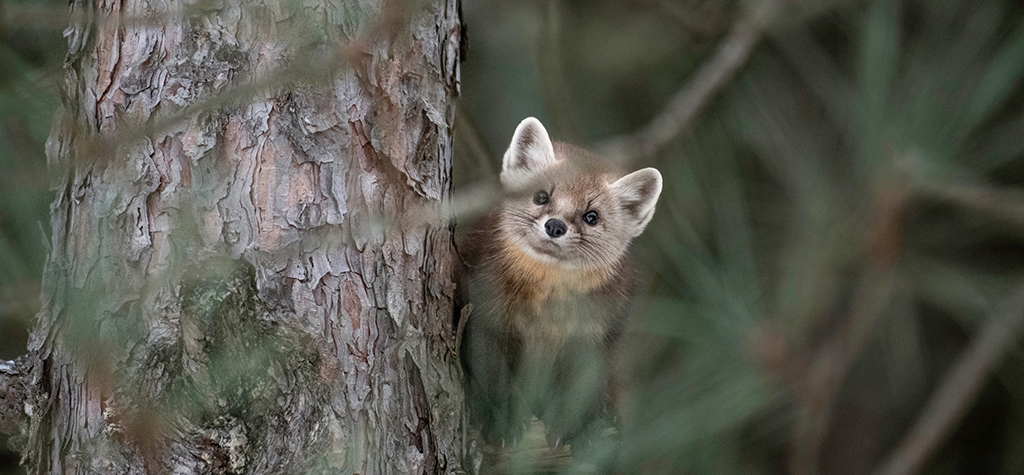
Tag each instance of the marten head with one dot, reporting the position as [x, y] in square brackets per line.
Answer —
[564, 208]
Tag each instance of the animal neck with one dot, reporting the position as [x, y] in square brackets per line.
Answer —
[535, 282]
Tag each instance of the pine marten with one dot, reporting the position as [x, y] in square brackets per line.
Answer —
[549, 276]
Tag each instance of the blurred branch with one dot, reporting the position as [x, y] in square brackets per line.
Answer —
[532, 454]
[704, 19]
[825, 377]
[1002, 204]
[959, 290]
[58, 17]
[996, 84]
[315, 70]
[35, 16]
[875, 289]
[308, 68]
[960, 387]
[820, 72]
[469, 141]
[556, 95]
[683, 107]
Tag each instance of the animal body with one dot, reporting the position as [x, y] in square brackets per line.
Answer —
[549, 276]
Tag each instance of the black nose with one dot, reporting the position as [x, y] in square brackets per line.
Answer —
[554, 227]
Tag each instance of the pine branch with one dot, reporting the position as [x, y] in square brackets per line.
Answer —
[683, 107]
[960, 387]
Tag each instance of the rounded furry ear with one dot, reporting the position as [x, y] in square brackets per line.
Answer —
[638, 193]
[529, 153]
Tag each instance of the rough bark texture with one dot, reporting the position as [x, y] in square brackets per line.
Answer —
[234, 285]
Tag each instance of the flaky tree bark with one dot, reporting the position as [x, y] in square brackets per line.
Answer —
[249, 272]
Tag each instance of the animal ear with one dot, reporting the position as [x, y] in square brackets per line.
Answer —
[638, 193]
[529, 152]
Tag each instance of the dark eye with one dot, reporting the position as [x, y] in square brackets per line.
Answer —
[541, 198]
[590, 217]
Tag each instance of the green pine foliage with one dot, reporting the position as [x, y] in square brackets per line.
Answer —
[838, 224]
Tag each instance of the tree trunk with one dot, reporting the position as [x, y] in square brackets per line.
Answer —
[250, 272]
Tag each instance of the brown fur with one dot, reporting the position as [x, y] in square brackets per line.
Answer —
[515, 298]
[522, 286]
[549, 276]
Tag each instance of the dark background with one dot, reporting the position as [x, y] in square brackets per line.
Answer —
[861, 171]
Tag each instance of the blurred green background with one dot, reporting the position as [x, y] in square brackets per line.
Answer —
[30, 66]
[31, 53]
[838, 225]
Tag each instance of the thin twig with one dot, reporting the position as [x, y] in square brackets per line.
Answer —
[1004, 204]
[731, 53]
[554, 90]
[820, 73]
[833, 363]
[959, 388]
[469, 142]
[702, 20]
[871, 300]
